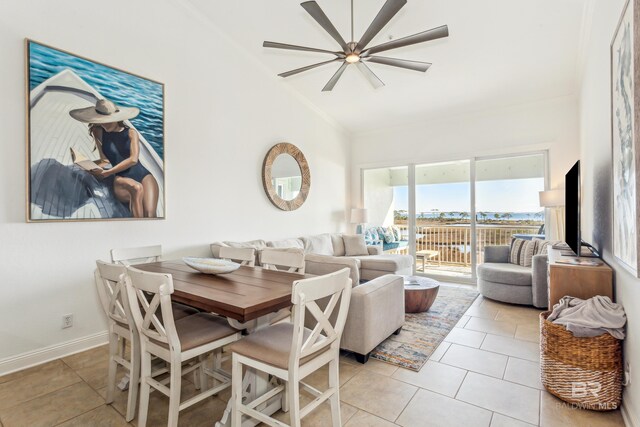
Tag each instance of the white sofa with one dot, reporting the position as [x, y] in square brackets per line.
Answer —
[377, 306]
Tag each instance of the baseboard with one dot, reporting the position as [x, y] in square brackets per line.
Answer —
[46, 354]
[629, 419]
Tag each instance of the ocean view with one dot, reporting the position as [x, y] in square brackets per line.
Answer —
[122, 88]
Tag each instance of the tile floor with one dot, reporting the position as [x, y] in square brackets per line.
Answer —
[485, 373]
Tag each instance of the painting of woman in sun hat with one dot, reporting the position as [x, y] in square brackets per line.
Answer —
[95, 140]
[119, 148]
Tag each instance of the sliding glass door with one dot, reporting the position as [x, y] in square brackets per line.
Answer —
[443, 219]
[444, 214]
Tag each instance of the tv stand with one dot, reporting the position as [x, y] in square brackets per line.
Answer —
[582, 281]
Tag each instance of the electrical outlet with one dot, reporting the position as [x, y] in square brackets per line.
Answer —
[67, 321]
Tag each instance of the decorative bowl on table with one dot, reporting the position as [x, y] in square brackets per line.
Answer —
[211, 265]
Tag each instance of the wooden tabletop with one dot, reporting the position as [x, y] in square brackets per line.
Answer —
[245, 294]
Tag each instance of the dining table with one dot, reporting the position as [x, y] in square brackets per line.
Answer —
[249, 297]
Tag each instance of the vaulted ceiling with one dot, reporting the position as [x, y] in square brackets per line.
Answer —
[499, 53]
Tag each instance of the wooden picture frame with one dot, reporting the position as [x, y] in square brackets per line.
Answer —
[285, 148]
[625, 131]
[60, 186]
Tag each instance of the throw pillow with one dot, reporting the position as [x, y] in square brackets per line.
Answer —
[319, 244]
[389, 237]
[354, 245]
[396, 233]
[522, 252]
[543, 245]
[338, 244]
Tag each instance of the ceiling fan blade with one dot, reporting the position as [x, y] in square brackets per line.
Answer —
[373, 79]
[316, 13]
[308, 67]
[388, 11]
[402, 63]
[332, 82]
[276, 45]
[425, 36]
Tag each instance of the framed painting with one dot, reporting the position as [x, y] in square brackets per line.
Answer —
[625, 119]
[95, 140]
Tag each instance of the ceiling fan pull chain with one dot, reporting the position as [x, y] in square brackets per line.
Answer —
[352, 36]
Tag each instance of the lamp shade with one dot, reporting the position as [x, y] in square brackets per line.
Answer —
[359, 215]
[551, 198]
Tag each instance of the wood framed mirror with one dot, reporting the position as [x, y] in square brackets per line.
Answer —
[286, 177]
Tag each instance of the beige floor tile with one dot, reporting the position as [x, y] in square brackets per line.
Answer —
[53, 408]
[475, 360]
[523, 372]
[36, 382]
[500, 420]
[556, 413]
[465, 337]
[518, 314]
[434, 410]
[513, 400]
[380, 367]
[30, 372]
[491, 326]
[320, 378]
[482, 311]
[319, 417]
[463, 321]
[512, 347]
[377, 394]
[87, 358]
[440, 351]
[365, 419]
[95, 374]
[528, 332]
[434, 376]
[103, 416]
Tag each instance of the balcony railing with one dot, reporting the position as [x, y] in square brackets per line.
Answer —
[453, 242]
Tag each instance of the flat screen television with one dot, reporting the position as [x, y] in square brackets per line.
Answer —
[572, 209]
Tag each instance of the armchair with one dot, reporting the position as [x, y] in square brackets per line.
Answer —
[500, 280]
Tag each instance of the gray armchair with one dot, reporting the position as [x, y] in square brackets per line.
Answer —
[500, 280]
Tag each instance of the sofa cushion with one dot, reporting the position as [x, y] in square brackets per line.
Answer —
[338, 244]
[522, 252]
[389, 237]
[390, 263]
[285, 244]
[258, 245]
[507, 273]
[355, 245]
[319, 244]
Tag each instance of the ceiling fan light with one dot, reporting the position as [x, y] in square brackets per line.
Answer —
[352, 58]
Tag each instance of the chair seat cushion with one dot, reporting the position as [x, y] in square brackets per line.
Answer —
[180, 311]
[390, 263]
[507, 273]
[272, 345]
[200, 329]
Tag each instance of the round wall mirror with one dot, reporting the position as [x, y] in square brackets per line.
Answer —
[286, 177]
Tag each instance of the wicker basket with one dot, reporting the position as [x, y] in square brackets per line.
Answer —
[586, 372]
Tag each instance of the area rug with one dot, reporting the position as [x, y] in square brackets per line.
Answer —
[423, 332]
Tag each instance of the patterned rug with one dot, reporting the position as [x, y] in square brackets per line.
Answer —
[423, 332]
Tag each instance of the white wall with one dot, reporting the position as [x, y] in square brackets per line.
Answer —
[595, 129]
[223, 112]
[546, 125]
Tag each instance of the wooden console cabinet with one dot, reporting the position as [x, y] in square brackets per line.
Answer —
[581, 281]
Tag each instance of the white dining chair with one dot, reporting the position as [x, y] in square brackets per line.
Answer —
[291, 260]
[191, 339]
[114, 301]
[139, 255]
[246, 256]
[291, 352]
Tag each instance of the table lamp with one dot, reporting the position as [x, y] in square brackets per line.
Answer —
[554, 200]
[359, 216]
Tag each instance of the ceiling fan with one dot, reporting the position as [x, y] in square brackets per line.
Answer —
[358, 53]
